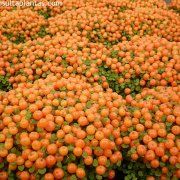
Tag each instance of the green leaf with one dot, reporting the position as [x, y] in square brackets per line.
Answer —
[15, 151]
[86, 140]
[73, 177]
[105, 120]
[160, 71]
[169, 174]
[123, 8]
[28, 115]
[178, 165]
[125, 145]
[87, 62]
[1, 165]
[53, 138]
[161, 139]
[140, 173]
[57, 127]
[91, 175]
[81, 163]
[142, 120]
[4, 83]
[148, 165]
[132, 54]
[114, 54]
[33, 121]
[42, 171]
[32, 169]
[88, 104]
[120, 59]
[95, 163]
[85, 154]
[133, 150]
[70, 147]
[158, 173]
[46, 14]
[59, 164]
[44, 75]
[98, 177]
[164, 118]
[42, 32]
[168, 124]
[39, 130]
[98, 148]
[21, 168]
[119, 163]
[90, 137]
[72, 157]
[63, 89]
[162, 164]
[108, 163]
[111, 137]
[64, 57]
[19, 39]
[134, 178]
[130, 129]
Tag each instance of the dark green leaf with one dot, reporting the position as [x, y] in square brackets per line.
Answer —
[85, 154]
[95, 163]
[42, 171]
[32, 169]
[1, 165]
[21, 168]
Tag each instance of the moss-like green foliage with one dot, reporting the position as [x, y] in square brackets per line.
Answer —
[4, 83]
[112, 78]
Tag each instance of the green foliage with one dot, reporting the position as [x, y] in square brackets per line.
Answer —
[160, 71]
[135, 170]
[21, 168]
[28, 115]
[11, 175]
[32, 169]
[46, 14]
[53, 138]
[19, 39]
[5, 84]
[123, 8]
[125, 34]
[112, 78]
[42, 171]
[114, 54]
[8, 35]
[42, 32]
[64, 62]
[175, 9]
[95, 163]
[1, 165]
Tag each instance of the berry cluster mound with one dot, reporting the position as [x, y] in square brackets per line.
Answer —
[59, 123]
[90, 90]
[175, 5]
[21, 25]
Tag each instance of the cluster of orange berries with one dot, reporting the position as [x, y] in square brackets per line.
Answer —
[95, 88]
[21, 25]
[175, 4]
[150, 60]
[150, 131]
[154, 60]
[113, 24]
[54, 122]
